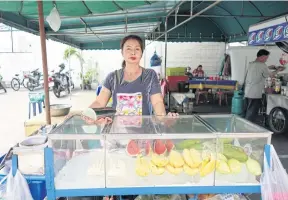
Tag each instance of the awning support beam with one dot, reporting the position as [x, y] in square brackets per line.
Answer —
[112, 14]
[86, 26]
[44, 60]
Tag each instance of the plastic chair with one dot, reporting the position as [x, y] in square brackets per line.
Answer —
[34, 100]
[199, 93]
[221, 95]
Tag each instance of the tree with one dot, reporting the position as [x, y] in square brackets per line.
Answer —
[69, 52]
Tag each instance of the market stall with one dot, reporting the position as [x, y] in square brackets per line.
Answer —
[186, 155]
[274, 31]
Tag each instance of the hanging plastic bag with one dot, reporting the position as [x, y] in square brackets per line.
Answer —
[274, 180]
[54, 19]
[155, 60]
[17, 187]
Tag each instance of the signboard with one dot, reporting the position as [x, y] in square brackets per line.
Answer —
[270, 34]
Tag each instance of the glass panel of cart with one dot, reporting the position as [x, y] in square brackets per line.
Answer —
[139, 152]
[78, 154]
[231, 124]
[240, 149]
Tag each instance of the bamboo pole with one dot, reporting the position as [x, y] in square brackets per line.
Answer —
[44, 60]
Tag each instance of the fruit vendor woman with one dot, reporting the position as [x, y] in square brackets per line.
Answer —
[134, 89]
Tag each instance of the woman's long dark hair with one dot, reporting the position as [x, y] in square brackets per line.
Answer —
[131, 37]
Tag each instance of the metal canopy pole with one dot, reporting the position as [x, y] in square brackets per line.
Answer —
[165, 61]
[44, 60]
[190, 18]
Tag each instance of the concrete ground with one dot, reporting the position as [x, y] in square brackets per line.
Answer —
[14, 112]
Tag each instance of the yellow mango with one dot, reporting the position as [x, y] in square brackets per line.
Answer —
[234, 165]
[159, 160]
[178, 170]
[222, 167]
[253, 167]
[176, 159]
[220, 156]
[187, 157]
[208, 168]
[142, 167]
[156, 170]
[190, 171]
[196, 158]
[174, 170]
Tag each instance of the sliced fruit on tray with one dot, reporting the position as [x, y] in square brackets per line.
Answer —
[196, 157]
[174, 170]
[187, 144]
[226, 140]
[132, 148]
[155, 169]
[159, 147]
[220, 156]
[235, 166]
[159, 160]
[231, 151]
[192, 157]
[253, 167]
[176, 159]
[142, 166]
[169, 145]
[190, 171]
[148, 148]
[207, 168]
[222, 167]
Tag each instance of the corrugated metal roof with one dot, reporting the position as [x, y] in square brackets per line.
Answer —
[101, 24]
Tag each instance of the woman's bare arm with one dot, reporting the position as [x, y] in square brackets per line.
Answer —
[158, 104]
[102, 99]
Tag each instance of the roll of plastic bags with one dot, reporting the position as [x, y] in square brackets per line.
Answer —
[17, 187]
[274, 180]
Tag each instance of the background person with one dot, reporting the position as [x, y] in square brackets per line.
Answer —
[198, 72]
[254, 84]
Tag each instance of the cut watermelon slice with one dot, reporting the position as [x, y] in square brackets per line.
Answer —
[169, 145]
[159, 147]
[132, 148]
[147, 148]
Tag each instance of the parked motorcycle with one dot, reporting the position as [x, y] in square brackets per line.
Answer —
[68, 73]
[34, 80]
[61, 82]
[2, 86]
[17, 81]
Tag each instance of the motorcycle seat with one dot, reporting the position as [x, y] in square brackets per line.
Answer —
[16, 74]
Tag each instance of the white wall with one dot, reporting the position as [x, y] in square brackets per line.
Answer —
[241, 56]
[208, 54]
[12, 63]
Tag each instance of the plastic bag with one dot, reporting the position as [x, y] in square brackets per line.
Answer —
[3, 189]
[155, 60]
[54, 19]
[17, 187]
[274, 180]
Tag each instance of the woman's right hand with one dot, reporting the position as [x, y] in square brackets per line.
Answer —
[71, 115]
[98, 121]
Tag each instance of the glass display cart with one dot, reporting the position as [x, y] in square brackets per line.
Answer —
[155, 155]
